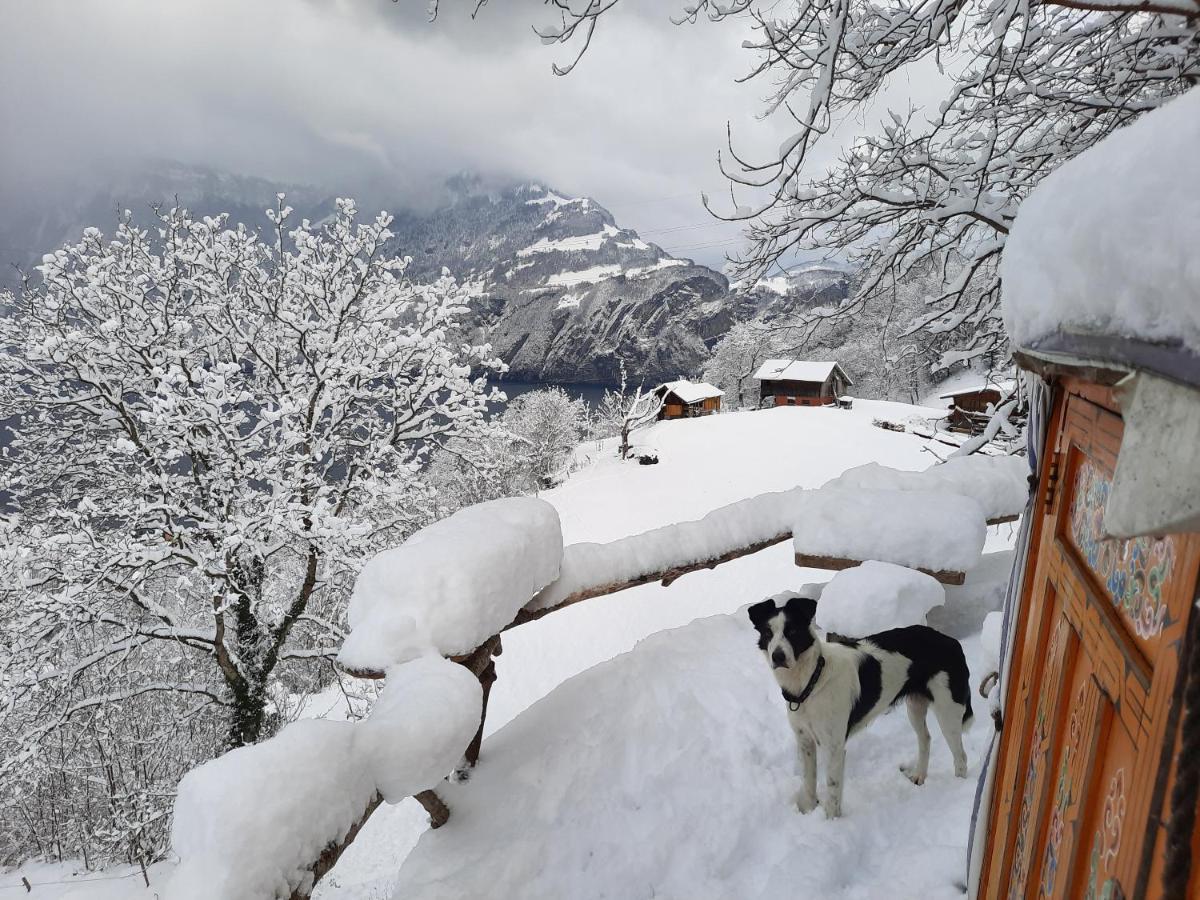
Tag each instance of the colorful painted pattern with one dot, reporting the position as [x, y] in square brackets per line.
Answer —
[1132, 571]
[1062, 800]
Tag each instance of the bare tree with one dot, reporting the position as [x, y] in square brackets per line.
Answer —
[1031, 85]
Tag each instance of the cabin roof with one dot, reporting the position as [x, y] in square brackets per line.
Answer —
[1004, 387]
[691, 391]
[799, 370]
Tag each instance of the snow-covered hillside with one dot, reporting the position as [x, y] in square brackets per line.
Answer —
[665, 768]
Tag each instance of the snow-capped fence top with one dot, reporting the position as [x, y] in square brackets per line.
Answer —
[451, 586]
[738, 528]
[251, 823]
[928, 530]
[1106, 244]
[876, 596]
[999, 483]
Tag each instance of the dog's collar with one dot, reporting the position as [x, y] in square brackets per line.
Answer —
[794, 700]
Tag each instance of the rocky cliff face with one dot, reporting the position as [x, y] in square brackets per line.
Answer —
[561, 291]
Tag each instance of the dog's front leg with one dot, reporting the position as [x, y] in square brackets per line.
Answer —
[835, 767]
[806, 750]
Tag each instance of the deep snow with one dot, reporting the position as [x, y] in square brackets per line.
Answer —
[718, 702]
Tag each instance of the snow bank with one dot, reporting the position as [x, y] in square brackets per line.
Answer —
[876, 596]
[420, 726]
[451, 586]
[669, 772]
[999, 483]
[919, 529]
[587, 566]
[247, 823]
[989, 642]
[1107, 243]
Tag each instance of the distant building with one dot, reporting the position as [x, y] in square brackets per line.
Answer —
[969, 404]
[685, 399]
[791, 382]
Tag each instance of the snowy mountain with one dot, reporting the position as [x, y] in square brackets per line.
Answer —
[561, 290]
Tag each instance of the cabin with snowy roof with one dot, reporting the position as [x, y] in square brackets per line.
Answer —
[969, 404]
[793, 382]
[684, 399]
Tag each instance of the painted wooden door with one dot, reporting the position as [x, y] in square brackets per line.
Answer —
[1095, 665]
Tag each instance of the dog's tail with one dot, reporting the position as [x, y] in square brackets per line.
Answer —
[959, 677]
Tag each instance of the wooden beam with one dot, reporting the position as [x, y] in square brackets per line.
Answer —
[837, 563]
[665, 576]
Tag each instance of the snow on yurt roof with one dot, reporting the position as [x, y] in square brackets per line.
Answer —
[797, 370]
[692, 391]
[1109, 244]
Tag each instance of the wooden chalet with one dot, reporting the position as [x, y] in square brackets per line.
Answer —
[1092, 785]
[791, 382]
[686, 399]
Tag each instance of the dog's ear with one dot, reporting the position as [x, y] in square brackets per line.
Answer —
[761, 613]
[801, 610]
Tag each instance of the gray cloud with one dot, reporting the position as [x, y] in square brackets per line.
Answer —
[353, 94]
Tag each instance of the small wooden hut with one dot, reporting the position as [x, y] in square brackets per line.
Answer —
[969, 404]
[1092, 785]
[791, 382]
[685, 399]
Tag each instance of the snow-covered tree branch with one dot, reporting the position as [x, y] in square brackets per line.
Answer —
[1029, 86]
[209, 429]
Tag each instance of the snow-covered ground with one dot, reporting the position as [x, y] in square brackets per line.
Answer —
[667, 771]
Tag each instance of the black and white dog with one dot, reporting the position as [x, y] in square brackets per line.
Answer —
[836, 688]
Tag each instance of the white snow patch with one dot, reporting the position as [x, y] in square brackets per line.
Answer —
[920, 529]
[452, 585]
[692, 391]
[1107, 243]
[570, 244]
[876, 596]
[999, 483]
[583, 276]
[795, 370]
[666, 262]
[989, 642]
[568, 301]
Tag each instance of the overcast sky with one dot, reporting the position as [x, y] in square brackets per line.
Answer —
[344, 92]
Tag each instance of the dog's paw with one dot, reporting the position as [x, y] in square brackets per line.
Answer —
[804, 803]
[960, 770]
[833, 809]
[911, 773]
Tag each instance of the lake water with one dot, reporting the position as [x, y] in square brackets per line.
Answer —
[591, 394]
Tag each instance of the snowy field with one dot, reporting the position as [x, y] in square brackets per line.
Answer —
[668, 771]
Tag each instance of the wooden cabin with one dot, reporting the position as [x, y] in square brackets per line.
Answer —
[685, 399]
[969, 405]
[791, 382]
[1091, 788]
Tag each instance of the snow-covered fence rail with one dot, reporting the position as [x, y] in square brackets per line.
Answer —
[428, 615]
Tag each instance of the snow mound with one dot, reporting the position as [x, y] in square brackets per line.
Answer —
[1107, 243]
[451, 586]
[249, 822]
[669, 772]
[919, 529]
[588, 565]
[420, 726]
[876, 596]
[999, 483]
